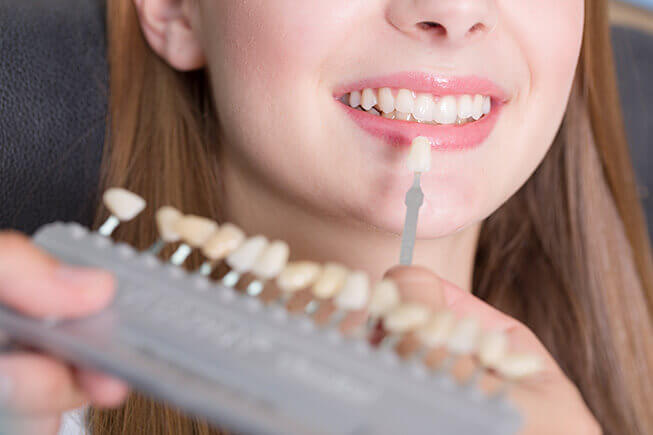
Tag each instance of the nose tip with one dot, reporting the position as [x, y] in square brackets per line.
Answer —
[443, 20]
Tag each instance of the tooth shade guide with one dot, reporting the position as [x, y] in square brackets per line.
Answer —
[166, 218]
[226, 240]
[404, 383]
[123, 206]
[195, 230]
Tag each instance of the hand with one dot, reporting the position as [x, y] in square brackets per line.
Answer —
[35, 389]
[550, 403]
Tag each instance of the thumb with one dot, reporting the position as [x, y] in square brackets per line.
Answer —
[419, 284]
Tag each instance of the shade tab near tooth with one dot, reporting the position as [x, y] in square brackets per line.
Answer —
[406, 317]
[368, 99]
[464, 336]
[355, 292]
[297, 276]
[195, 230]
[519, 366]
[243, 258]
[330, 281]
[385, 297]
[419, 156]
[492, 348]
[122, 203]
[166, 218]
[272, 260]
[223, 242]
[437, 330]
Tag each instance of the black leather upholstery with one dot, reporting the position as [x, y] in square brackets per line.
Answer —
[53, 88]
[634, 57]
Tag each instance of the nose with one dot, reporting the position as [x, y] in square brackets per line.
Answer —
[452, 21]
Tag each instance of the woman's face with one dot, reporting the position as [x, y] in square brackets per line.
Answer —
[279, 67]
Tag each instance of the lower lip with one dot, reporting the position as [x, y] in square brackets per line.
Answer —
[445, 137]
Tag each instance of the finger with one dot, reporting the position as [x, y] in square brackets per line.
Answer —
[36, 284]
[31, 384]
[421, 285]
[103, 390]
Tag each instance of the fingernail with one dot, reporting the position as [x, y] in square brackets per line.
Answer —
[92, 282]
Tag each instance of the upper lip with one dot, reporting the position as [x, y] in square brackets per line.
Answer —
[423, 82]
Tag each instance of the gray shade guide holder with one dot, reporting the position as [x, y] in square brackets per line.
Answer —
[224, 356]
[414, 200]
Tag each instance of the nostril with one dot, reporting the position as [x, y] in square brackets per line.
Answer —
[478, 27]
[432, 26]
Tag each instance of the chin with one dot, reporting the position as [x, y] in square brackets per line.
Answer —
[438, 216]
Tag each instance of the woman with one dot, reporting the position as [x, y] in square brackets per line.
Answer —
[238, 110]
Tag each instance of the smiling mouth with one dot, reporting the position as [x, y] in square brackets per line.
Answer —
[423, 108]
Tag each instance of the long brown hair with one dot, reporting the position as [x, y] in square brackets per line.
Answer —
[568, 255]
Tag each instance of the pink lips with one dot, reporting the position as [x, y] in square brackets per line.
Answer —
[445, 137]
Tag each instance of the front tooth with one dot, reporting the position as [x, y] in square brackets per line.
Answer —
[368, 99]
[405, 102]
[487, 105]
[406, 317]
[385, 297]
[243, 258]
[355, 99]
[477, 107]
[330, 281]
[390, 115]
[166, 218]
[419, 156]
[402, 116]
[386, 100]
[423, 110]
[518, 366]
[224, 242]
[272, 261]
[464, 336]
[492, 348]
[373, 111]
[465, 106]
[447, 110]
[195, 230]
[436, 332]
[297, 276]
[355, 292]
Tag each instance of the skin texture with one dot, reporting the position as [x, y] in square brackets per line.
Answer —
[296, 167]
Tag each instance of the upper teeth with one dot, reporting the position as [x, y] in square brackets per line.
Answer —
[408, 105]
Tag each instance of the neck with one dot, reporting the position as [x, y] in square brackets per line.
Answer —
[316, 237]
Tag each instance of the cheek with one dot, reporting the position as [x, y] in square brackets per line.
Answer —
[549, 35]
[265, 45]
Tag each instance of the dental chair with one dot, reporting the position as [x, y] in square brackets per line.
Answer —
[53, 102]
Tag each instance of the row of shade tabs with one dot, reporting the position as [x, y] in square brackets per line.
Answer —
[266, 263]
